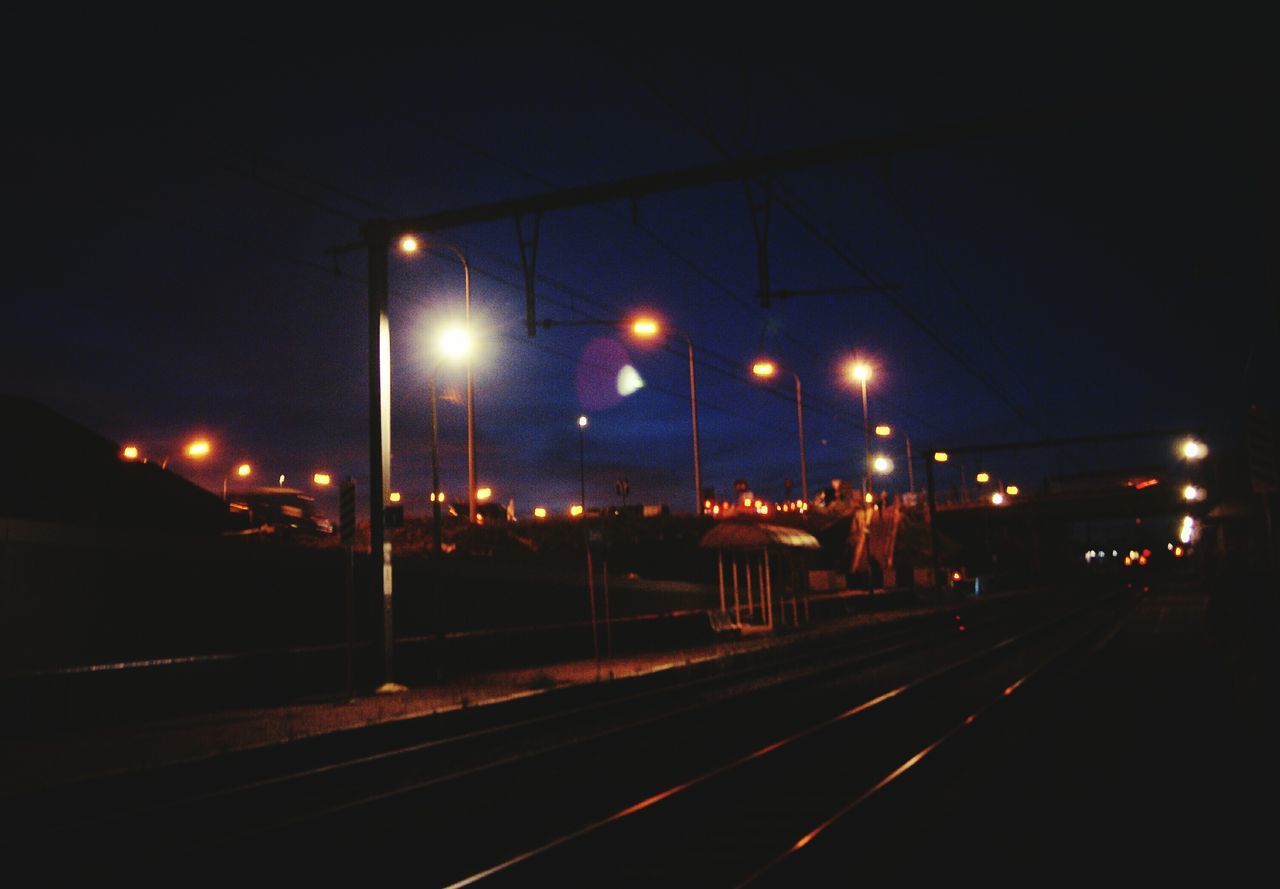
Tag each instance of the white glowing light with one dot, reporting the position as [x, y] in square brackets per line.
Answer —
[455, 342]
[1194, 450]
[629, 381]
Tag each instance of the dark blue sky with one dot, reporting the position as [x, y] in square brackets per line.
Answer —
[173, 182]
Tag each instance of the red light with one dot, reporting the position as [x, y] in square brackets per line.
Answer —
[1146, 553]
[962, 628]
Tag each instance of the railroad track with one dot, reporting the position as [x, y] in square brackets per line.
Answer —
[529, 794]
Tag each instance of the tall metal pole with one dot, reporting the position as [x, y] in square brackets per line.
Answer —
[697, 458]
[930, 459]
[911, 476]
[582, 463]
[471, 398]
[866, 428]
[804, 471]
[377, 242]
[435, 468]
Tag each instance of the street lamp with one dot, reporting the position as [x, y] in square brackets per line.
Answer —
[1193, 449]
[453, 343]
[884, 431]
[582, 461]
[409, 244]
[861, 372]
[648, 328]
[766, 370]
[244, 470]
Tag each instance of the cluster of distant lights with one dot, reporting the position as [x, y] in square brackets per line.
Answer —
[1187, 533]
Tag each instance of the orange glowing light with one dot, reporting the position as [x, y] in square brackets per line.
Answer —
[764, 369]
[860, 371]
[394, 496]
[244, 470]
[941, 456]
[409, 244]
[575, 510]
[645, 327]
[983, 478]
[321, 478]
[539, 512]
[883, 430]
[1145, 483]
[199, 448]
[1012, 490]
[129, 453]
[484, 493]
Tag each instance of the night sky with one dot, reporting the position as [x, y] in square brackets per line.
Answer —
[173, 181]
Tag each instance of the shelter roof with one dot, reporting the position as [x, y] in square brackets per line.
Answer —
[755, 535]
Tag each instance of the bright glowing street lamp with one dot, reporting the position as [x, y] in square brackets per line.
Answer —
[453, 343]
[766, 369]
[860, 371]
[244, 470]
[582, 460]
[884, 431]
[410, 244]
[648, 328]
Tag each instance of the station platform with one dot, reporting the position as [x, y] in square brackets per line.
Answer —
[34, 763]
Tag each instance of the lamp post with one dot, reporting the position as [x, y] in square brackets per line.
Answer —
[582, 462]
[453, 343]
[861, 372]
[766, 369]
[410, 244]
[436, 534]
[244, 470]
[885, 431]
[648, 328]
